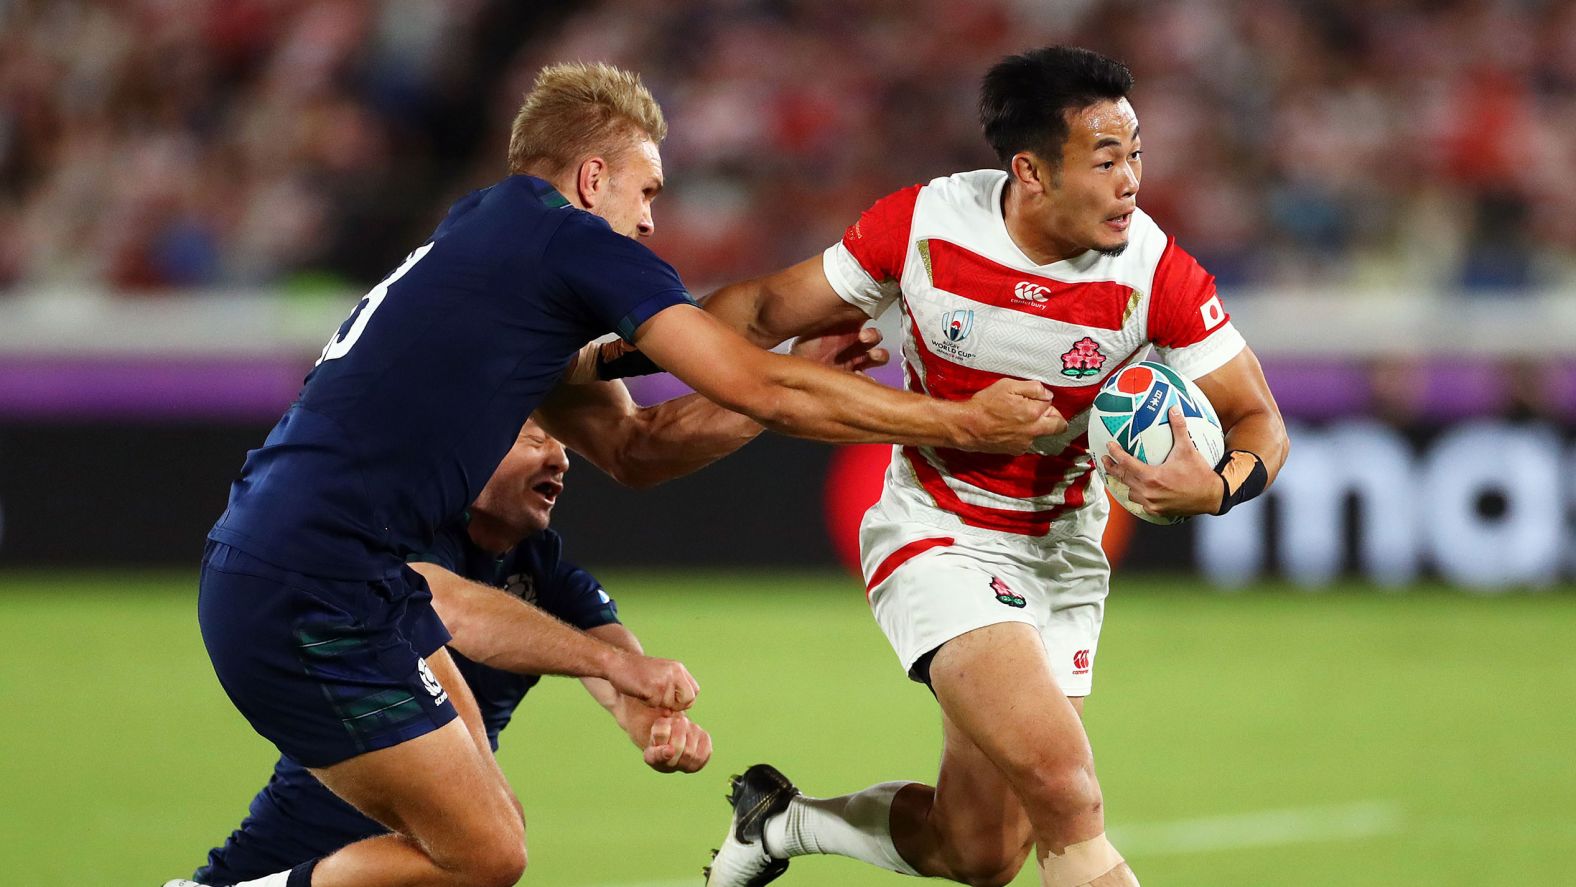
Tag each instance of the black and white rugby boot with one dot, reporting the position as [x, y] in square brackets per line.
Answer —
[742, 860]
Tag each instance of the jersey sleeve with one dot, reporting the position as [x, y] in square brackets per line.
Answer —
[574, 595]
[866, 266]
[446, 549]
[1187, 323]
[620, 282]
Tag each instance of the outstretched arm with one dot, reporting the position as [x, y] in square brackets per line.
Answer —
[641, 447]
[795, 301]
[794, 396]
[669, 741]
[495, 628]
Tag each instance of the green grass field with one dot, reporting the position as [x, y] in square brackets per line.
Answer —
[1270, 737]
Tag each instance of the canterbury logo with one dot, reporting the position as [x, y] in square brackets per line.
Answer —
[1030, 292]
[1081, 660]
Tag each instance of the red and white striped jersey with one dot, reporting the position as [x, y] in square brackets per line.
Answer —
[976, 309]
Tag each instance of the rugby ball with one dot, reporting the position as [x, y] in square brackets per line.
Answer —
[1133, 409]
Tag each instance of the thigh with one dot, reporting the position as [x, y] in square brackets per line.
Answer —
[997, 688]
[324, 669]
[437, 788]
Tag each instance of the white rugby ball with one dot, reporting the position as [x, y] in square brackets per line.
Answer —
[1133, 408]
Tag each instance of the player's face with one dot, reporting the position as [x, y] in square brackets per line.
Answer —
[634, 181]
[1094, 193]
[527, 483]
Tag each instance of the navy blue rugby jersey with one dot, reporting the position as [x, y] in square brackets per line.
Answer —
[534, 571]
[425, 386]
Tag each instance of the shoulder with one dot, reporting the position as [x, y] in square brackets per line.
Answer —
[977, 189]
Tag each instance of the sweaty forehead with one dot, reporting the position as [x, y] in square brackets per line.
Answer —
[648, 159]
[1103, 121]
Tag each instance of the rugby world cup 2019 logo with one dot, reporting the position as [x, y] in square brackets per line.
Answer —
[956, 327]
[1083, 359]
[1005, 594]
[958, 324]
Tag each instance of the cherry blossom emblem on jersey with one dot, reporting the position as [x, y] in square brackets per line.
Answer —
[1084, 359]
[1005, 594]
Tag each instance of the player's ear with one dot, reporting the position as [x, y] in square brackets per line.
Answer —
[591, 181]
[1031, 172]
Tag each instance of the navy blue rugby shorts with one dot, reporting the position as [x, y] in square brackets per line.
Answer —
[325, 669]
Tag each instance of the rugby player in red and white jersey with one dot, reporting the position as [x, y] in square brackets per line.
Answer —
[985, 572]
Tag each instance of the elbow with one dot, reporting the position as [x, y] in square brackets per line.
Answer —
[633, 474]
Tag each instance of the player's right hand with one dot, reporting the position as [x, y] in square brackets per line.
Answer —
[659, 683]
[676, 744]
[1007, 416]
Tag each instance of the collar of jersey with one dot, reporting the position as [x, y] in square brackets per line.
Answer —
[546, 193]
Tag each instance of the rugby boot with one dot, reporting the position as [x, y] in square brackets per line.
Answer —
[742, 861]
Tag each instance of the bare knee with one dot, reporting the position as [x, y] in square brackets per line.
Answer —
[1063, 792]
[499, 864]
[494, 856]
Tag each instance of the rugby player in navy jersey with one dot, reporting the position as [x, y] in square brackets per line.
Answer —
[319, 632]
[483, 569]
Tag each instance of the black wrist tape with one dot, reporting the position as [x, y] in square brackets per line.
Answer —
[617, 363]
[1243, 475]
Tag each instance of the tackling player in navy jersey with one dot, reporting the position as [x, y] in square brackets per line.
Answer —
[503, 546]
[320, 633]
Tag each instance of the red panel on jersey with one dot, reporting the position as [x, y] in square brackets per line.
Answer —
[1099, 304]
[1021, 476]
[1004, 520]
[879, 240]
[1183, 306]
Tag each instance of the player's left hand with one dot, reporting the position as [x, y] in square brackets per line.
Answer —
[855, 349]
[675, 744]
[1184, 484]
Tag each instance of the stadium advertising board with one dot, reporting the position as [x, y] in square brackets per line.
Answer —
[1482, 502]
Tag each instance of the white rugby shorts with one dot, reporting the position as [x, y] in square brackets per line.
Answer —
[931, 579]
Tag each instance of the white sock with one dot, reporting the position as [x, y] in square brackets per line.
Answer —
[857, 825]
[269, 881]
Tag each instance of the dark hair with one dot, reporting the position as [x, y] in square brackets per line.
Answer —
[1025, 98]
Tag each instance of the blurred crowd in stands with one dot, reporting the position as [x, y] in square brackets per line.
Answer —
[147, 145]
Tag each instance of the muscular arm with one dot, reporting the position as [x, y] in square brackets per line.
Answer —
[497, 629]
[1247, 410]
[795, 301]
[642, 446]
[794, 396]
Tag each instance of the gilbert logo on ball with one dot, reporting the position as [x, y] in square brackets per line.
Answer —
[1133, 410]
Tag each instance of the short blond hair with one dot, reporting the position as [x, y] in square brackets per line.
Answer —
[576, 110]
